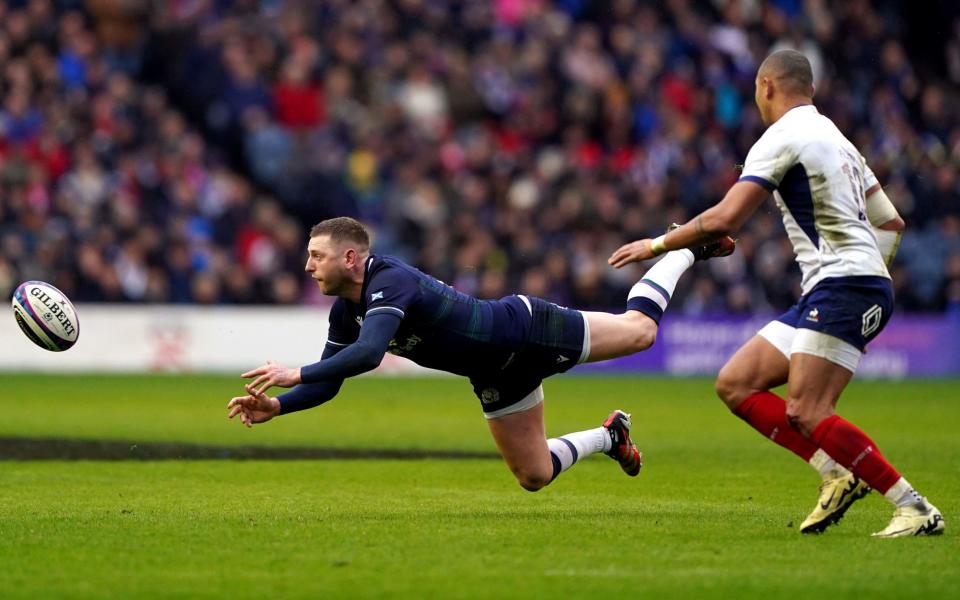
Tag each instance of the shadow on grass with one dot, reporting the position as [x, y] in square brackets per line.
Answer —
[14, 448]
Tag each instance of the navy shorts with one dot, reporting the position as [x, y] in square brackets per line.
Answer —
[554, 343]
[854, 309]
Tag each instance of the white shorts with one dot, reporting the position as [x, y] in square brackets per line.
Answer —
[529, 401]
[790, 340]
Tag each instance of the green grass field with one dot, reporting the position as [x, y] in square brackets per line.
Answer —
[714, 513]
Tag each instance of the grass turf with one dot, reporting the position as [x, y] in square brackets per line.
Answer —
[714, 513]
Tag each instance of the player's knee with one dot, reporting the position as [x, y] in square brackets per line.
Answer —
[805, 416]
[532, 480]
[729, 387]
[643, 333]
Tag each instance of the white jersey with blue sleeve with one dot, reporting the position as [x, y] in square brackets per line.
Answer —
[818, 180]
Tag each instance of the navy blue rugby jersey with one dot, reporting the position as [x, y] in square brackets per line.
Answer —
[440, 327]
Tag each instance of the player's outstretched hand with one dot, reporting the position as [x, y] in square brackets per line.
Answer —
[632, 252]
[271, 374]
[255, 407]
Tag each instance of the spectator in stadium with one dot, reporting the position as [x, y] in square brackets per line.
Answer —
[505, 347]
[831, 203]
[577, 124]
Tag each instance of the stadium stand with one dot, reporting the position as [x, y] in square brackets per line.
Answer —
[178, 151]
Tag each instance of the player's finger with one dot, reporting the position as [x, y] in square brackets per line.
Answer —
[236, 401]
[235, 411]
[256, 382]
[259, 385]
[254, 372]
[258, 394]
[619, 253]
[620, 260]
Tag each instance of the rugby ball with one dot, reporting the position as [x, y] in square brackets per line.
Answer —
[46, 316]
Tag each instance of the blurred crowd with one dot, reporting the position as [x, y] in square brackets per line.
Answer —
[179, 151]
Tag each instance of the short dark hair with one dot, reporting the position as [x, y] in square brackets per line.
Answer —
[343, 229]
[792, 69]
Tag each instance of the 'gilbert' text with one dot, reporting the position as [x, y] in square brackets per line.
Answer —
[54, 309]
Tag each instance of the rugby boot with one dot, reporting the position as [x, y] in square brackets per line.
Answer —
[622, 448]
[838, 492]
[718, 249]
[921, 518]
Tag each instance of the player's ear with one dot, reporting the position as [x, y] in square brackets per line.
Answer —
[350, 257]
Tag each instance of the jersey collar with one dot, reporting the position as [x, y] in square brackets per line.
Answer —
[366, 280]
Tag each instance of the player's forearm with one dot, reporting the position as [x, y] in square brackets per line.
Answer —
[705, 227]
[895, 224]
[308, 395]
[353, 360]
[724, 218]
[881, 212]
[363, 355]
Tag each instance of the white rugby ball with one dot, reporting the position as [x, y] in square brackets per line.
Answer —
[46, 316]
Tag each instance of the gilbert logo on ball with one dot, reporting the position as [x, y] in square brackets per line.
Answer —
[45, 315]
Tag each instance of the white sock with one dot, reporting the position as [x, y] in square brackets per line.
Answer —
[651, 294]
[902, 494]
[570, 448]
[826, 466]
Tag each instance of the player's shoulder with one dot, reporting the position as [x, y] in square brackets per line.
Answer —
[793, 132]
[773, 141]
[391, 269]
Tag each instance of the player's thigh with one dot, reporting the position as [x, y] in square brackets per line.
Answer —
[756, 366]
[618, 335]
[521, 439]
[815, 386]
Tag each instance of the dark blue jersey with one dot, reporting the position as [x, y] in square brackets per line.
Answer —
[505, 347]
[440, 328]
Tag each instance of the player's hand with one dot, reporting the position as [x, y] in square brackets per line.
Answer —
[272, 374]
[632, 252]
[255, 407]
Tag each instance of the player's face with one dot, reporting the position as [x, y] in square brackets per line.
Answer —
[326, 264]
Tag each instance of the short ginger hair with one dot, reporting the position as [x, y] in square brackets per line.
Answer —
[343, 229]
